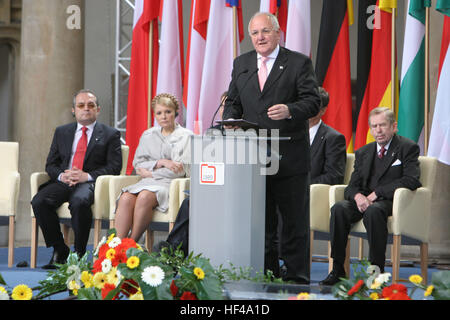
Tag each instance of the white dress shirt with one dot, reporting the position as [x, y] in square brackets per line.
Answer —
[313, 131]
[272, 57]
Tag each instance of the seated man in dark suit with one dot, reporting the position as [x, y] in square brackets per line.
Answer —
[328, 150]
[80, 152]
[388, 163]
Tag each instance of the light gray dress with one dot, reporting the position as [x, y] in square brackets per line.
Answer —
[152, 147]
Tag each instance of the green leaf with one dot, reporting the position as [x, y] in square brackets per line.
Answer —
[2, 281]
[89, 294]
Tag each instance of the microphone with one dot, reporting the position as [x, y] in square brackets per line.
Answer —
[217, 110]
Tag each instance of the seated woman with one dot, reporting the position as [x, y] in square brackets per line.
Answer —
[162, 155]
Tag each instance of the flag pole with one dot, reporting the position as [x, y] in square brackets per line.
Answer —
[150, 75]
[393, 83]
[427, 70]
[234, 32]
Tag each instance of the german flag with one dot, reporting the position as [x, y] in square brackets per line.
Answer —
[333, 65]
[378, 90]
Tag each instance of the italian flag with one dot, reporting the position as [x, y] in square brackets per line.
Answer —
[412, 87]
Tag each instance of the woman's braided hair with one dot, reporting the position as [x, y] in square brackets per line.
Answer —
[167, 100]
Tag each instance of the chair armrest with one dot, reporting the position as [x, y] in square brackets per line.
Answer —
[10, 191]
[336, 193]
[411, 213]
[177, 195]
[100, 208]
[116, 183]
[319, 209]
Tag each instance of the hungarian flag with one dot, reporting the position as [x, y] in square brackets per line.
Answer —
[171, 52]
[142, 76]
[412, 86]
[439, 145]
[333, 65]
[298, 27]
[198, 27]
[220, 50]
[279, 9]
[378, 91]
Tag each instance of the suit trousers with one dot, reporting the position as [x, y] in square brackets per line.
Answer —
[50, 197]
[291, 196]
[345, 213]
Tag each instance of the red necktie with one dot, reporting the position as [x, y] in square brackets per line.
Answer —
[381, 153]
[262, 73]
[78, 158]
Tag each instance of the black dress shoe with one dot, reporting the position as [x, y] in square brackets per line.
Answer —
[332, 278]
[58, 257]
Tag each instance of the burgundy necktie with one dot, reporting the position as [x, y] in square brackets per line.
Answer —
[381, 153]
[78, 158]
[262, 73]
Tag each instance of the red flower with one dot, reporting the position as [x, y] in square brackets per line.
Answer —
[173, 288]
[187, 295]
[394, 289]
[399, 296]
[129, 287]
[97, 267]
[107, 289]
[355, 288]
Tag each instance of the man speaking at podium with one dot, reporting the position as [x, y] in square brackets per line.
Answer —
[277, 89]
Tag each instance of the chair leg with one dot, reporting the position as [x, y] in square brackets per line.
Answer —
[97, 230]
[347, 259]
[424, 262]
[66, 230]
[330, 259]
[311, 241]
[360, 249]
[111, 223]
[396, 258]
[11, 241]
[34, 241]
[149, 239]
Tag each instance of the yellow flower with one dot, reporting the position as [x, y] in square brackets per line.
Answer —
[22, 292]
[87, 279]
[137, 296]
[374, 296]
[416, 279]
[3, 290]
[303, 296]
[428, 291]
[113, 276]
[110, 254]
[132, 262]
[375, 285]
[111, 236]
[99, 280]
[139, 247]
[199, 273]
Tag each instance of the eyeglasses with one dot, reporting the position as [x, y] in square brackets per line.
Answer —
[90, 105]
[264, 32]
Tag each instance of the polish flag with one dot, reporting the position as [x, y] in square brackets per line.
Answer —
[194, 61]
[279, 9]
[298, 29]
[138, 109]
[170, 67]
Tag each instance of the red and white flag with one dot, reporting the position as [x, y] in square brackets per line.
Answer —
[298, 30]
[194, 61]
[141, 78]
[170, 66]
[218, 60]
[279, 9]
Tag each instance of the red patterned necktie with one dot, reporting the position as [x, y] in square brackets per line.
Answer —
[262, 73]
[78, 158]
[381, 153]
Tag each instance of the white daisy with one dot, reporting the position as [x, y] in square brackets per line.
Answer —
[115, 242]
[106, 266]
[153, 276]
[383, 277]
[102, 242]
[3, 294]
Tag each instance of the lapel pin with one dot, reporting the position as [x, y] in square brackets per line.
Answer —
[281, 67]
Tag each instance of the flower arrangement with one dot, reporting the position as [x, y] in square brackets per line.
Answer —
[369, 284]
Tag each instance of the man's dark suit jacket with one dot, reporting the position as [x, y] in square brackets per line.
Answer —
[328, 156]
[292, 82]
[103, 154]
[402, 169]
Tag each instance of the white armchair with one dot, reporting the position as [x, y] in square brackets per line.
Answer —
[100, 208]
[410, 220]
[176, 197]
[9, 191]
[319, 209]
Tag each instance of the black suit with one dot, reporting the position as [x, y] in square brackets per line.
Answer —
[103, 156]
[398, 169]
[328, 156]
[291, 81]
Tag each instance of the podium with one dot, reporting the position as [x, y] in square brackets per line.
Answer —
[227, 199]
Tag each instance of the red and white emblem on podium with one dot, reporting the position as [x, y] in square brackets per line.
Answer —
[212, 173]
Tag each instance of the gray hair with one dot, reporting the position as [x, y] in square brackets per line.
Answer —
[273, 20]
[85, 91]
[388, 113]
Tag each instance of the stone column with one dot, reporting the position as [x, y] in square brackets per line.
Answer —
[51, 71]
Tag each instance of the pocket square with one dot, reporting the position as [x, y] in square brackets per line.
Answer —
[397, 163]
